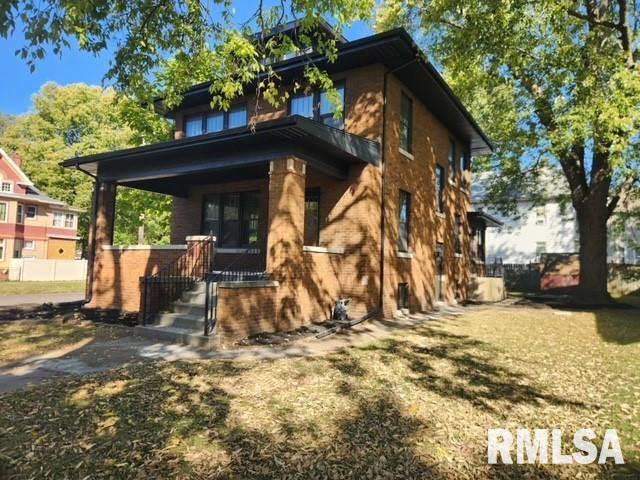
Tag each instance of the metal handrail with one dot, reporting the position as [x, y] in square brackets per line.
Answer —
[228, 275]
[170, 281]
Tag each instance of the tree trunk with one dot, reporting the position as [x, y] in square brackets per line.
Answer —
[592, 220]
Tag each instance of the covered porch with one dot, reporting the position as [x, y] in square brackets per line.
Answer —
[245, 188]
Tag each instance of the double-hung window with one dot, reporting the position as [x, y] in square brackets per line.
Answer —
[233, 218]
[20, 213]
[404, 221]
[317, 105]
[4, 211]
[452, 160]
[406, 124]
[440, 184]
[31, 212]
[212, 122]
[312, 217]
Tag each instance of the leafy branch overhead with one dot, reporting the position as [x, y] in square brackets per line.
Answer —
[162, 47]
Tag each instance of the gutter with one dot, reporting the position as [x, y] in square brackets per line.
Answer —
[383, 166]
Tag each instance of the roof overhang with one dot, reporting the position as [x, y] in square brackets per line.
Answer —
[400, 54]
[483, 219]
[232, 154]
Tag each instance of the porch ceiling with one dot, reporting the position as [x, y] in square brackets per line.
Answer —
[483, 219]
[170, 167]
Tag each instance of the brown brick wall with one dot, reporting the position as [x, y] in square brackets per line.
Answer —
[116, 283]
[242, 312]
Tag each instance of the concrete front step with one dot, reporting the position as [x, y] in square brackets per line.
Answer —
[190, 308]
[193, 297]
[176, 335]
[181, 320]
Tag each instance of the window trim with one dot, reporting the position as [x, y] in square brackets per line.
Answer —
[409, 146]
[64, 219]
[315, 94]
[19, 213]
[8, 182]
[3, 248]
[33, 245]
[452, 160]
[408, 239]
[458, 235]
[203, 117]
[26, 212]
[6, 212]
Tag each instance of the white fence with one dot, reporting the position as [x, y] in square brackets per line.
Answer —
[36, 270]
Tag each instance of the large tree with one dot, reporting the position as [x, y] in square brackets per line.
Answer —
[553, 82]
[81, 120]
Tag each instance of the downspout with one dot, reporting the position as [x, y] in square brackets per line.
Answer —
[383, 165]
[91, 247]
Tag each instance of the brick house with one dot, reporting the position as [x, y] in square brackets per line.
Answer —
[373, 207]
[32, 225]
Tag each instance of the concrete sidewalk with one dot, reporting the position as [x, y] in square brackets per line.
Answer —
[39, 299]
[94, 355]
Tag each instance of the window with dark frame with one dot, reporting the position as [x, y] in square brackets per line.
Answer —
[31, 212]
[312, 217]
[406, 124]
[233, 218]
[315, 104]
[452, 160]
[211, 122]
[404, 221]
[458, 234]
[403, 295]
[440, 185]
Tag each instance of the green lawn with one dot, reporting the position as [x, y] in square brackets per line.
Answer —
[415, 405]
[23, 288]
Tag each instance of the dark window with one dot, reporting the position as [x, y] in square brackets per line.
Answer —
[466, 161]
[302, 104]
[250, 217]
[312, 217]
[404, 221]
[216, 121]
[316, 105]
[32, 212]
[406, 124]
[440, 184]
[458, 234]
[232, 217]
[452, 160]
[403, 295]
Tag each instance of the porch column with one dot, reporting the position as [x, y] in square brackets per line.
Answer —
[100, 229]
[286, 232]
[286, 216]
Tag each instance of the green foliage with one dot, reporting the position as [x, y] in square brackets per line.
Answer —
[136, 207]
[200, 39]
[5, 121]
[79, 120]
[550, 81]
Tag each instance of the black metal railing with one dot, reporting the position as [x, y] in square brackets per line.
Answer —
[168, 284]
[235, 271]
[494, 269]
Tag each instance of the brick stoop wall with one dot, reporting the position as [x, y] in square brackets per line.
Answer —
[116, 280]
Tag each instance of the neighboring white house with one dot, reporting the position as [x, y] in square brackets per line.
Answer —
[551, 227]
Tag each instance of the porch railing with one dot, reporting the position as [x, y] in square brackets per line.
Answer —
[233, 272]
[168, 284]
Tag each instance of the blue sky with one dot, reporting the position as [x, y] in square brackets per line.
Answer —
[18, 84]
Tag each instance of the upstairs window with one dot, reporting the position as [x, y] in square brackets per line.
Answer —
[212, 122]
[404, 221]
[440, 183]
[312, 217]
[465, 162]
[66, 220]
[406, 124]
[20, 213]
[541, 215]
[4, 210]
[6, 187]
[31, 212]
[452, 161]
[317, 106]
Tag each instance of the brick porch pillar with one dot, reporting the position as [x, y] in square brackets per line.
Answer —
[100, 230]
[286, 234]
